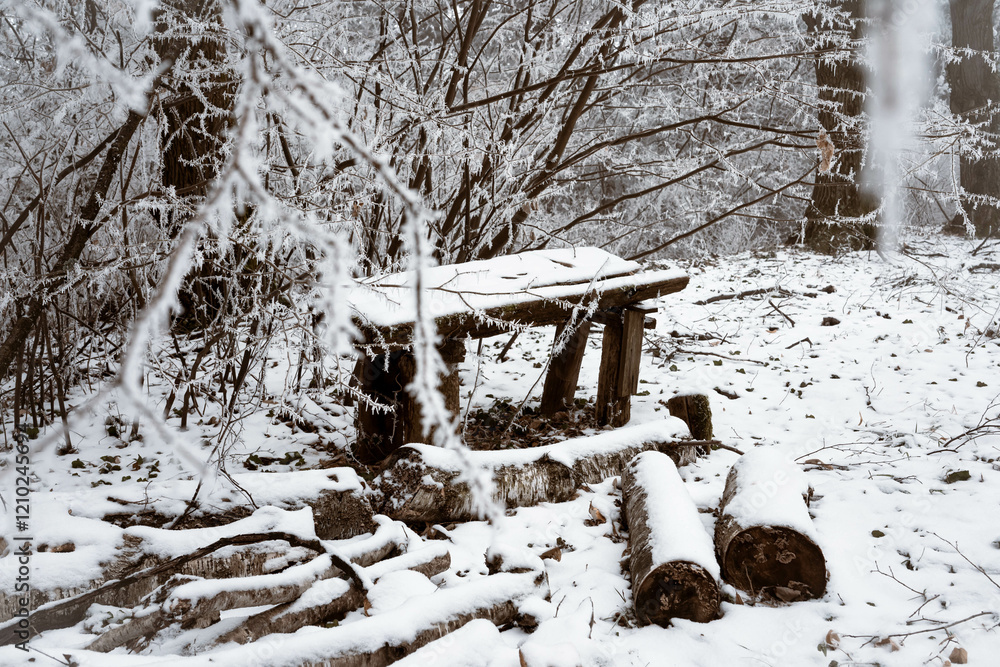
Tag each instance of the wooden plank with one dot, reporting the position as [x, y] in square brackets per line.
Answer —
[628, 376]
[564, 370]
[538, 312]
[611, 409]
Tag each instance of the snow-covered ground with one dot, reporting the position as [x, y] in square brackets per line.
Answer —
[909, 518]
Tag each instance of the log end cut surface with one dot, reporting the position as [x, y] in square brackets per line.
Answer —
[775, 562]
[676, 590]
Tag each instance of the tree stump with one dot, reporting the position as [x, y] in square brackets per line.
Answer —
[695, 411]
[674, 572]
[765, 539]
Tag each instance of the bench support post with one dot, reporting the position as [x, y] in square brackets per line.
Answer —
[619, 376]
[564, 370]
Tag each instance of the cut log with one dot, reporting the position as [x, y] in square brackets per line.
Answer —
[764, 538]
[422, 483]
[331, 599]
[673, 566]
[695, 411]
[564, 370]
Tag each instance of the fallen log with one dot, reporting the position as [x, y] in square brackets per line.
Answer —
[673, 567]
[424, 483]
[384, 638]
[764, 538]
[331, 599]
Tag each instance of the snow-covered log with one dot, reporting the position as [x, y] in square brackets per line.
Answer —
[423, 483]
[765, 539]
[331, 599]
[673, 567]
[386, 637]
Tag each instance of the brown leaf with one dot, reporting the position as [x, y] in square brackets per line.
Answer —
[368, 606]
[786, 594]
[888, 641]
[832, 639]
[596, 514]
[959, 656]
[555, 553]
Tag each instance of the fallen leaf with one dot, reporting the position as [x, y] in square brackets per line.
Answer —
[596, 514]
[555, 553]
[959, 656]
[832, 639]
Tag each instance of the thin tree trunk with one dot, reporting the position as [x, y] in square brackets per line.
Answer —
[82, 232]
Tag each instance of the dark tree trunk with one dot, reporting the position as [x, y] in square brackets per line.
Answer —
[975, 91]
[194, 134]
[837, 198]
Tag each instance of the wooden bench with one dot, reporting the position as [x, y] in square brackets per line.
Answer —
[565, 287]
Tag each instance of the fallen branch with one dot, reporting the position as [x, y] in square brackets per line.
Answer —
[742, 295]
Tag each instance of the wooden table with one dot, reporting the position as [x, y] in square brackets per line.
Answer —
[566, 287]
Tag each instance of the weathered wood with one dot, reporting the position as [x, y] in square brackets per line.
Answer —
[564, 370]
[385, 638]
[384, 429]
[66, 613]
[611, 409]
[423, 483]
[628, 378]
[695, 411]
[331, 600]
[540, 312]
[672, 563]
[621, 353]
[764, 537]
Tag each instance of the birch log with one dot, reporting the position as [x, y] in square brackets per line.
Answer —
[423, 483]
[673, 567]
[765, 539]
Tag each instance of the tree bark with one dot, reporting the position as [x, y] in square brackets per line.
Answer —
[763, 535]
[289, 617]
[672, 565]
[975, 93]
[695, 411]
[422, 483]
[837, 198]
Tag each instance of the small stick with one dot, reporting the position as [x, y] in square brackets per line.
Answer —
[780, 312]
[506, 348]
[804, 340]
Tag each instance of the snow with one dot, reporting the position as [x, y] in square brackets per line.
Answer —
[771, 492]
[865, 408]
[676, 530]
[387, 301]
[566, 452]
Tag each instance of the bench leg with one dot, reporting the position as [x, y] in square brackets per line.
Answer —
[564, 371]
[619, 376]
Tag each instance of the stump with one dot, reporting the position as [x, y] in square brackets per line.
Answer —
[765, 539]
[695, 411]
[673, 567]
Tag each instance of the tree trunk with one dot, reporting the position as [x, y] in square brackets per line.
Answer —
[975, 92]
[672, 562]
[837, 198]
[764, 536]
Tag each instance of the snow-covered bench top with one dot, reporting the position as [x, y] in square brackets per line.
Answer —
[534, 288]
